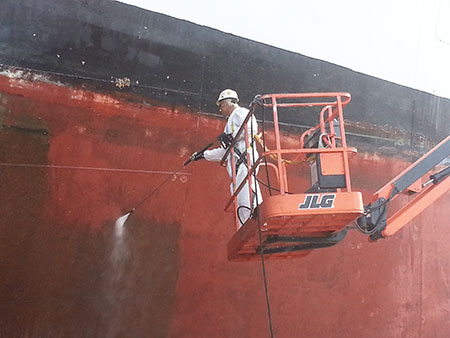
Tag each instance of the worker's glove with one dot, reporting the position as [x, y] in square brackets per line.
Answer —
[225, 140]
[196, 156]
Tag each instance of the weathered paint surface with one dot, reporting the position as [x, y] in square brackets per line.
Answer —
[100, 101]
[72, 161]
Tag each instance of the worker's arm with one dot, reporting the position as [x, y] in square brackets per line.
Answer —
[237, 119]
[236, 123]
[214, 155]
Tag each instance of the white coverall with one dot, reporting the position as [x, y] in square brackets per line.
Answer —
[234, 122]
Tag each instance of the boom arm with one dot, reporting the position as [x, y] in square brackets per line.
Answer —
[375, 222]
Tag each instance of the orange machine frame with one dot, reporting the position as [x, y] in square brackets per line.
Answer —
[285, 225]
[292, 224]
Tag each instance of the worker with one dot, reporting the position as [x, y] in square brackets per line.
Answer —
[228, 106]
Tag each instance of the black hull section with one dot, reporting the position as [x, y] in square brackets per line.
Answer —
[114, 47]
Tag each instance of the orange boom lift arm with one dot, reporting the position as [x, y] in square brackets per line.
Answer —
[375, 222]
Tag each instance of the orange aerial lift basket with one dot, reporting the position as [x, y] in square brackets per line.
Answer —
[289, 223]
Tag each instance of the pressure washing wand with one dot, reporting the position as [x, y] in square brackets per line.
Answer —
[122, 219]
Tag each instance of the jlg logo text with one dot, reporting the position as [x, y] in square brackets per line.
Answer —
[316, 202]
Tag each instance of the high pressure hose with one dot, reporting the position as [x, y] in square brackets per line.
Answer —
[122, 219]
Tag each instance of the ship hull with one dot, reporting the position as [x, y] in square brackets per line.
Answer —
[80, 149]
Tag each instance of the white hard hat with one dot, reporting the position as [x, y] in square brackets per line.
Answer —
[227, 94]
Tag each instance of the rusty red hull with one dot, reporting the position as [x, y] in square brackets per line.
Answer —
[73, 161]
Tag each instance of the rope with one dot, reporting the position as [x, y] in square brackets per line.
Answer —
[266, 288]
[264, 147]
[52, 166]
[262, 142]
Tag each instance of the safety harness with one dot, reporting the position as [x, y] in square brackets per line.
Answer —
[241, 159]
